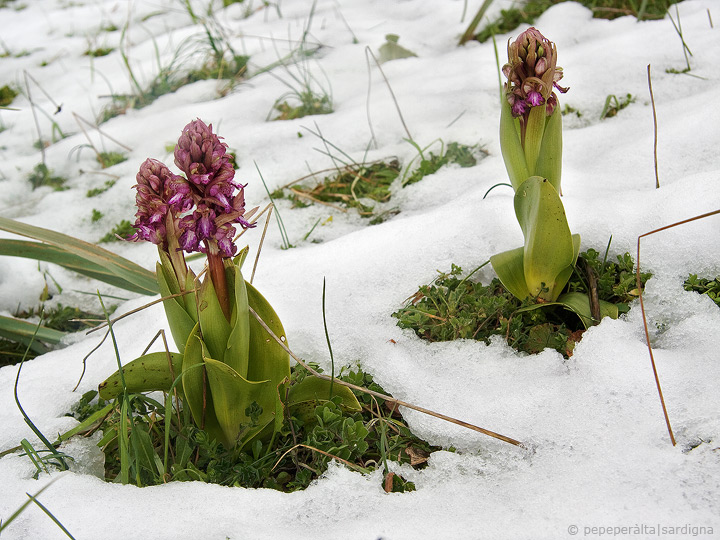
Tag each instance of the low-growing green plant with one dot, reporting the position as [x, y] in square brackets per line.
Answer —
[452, 307]
[528, 12]
[108, 159]
[455, 153]
[709, 287]
[16, 335]
[302, 104]
[353, 186]
[96, 215]
[94, 192]
[613, 105]
[307, 95]
[567, 109]
[218, 60]
[119, 232]
[7, 95]
[173, 449]
[43, 176]
[98, 51]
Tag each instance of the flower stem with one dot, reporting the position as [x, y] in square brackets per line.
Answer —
[217, 275]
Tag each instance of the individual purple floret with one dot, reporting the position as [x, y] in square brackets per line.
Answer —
[532, 73]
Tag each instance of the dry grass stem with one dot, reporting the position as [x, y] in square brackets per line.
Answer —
[383, 396]
[642, 309]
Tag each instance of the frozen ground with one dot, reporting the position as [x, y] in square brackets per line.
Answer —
[599, 453]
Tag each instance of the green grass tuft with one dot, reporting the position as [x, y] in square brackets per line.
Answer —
[528, 12]
[108, 159]
[354, 186]
[122, 229]
[42, 176]
[99, 51]
[306, 104]
[613, 105]
[459, 154]
[7, 95]
[94, 192]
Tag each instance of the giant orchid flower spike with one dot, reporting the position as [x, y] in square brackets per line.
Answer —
[531, 143]
[235, 379]
[531, 124]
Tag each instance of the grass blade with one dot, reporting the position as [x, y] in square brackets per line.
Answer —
[115, 264]
[33, 498]
[57, 255]
[20, 510]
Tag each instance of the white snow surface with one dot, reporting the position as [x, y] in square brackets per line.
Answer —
[598, 451]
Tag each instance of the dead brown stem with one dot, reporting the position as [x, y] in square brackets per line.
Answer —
[642, 309]
[384, 396]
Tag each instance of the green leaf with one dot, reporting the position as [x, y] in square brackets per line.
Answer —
[192, 379]
[148, 373]
[390, 50]
[197, 394]
[190, 299]
[130, 272]
[511, 147]
[549, 247]
[304, 396]
[549, 162]
[52, 254]
[564, 276]
[214, 327]
[238, 343]
[534, 134]
[180, 321]
[23, 332]
[233, 397]
[508, 265]
[268, 360]
[579, 303]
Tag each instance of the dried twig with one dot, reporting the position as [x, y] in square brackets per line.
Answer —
[384, 396]
[652, 101]
[642, 309]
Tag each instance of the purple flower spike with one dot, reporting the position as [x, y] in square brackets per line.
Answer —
[532, 73]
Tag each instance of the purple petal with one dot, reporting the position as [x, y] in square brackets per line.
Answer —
[535, 99]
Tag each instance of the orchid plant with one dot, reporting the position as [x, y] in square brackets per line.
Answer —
[234, 377]
[531, 145]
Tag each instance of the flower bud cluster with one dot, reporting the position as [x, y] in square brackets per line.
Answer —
[203, 207]
[532, 73]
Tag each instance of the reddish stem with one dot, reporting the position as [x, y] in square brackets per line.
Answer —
[217, 275]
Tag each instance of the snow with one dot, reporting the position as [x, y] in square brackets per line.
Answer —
[598, 452]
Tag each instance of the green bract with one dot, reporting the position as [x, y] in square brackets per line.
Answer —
[543, 266]
[541, 155]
